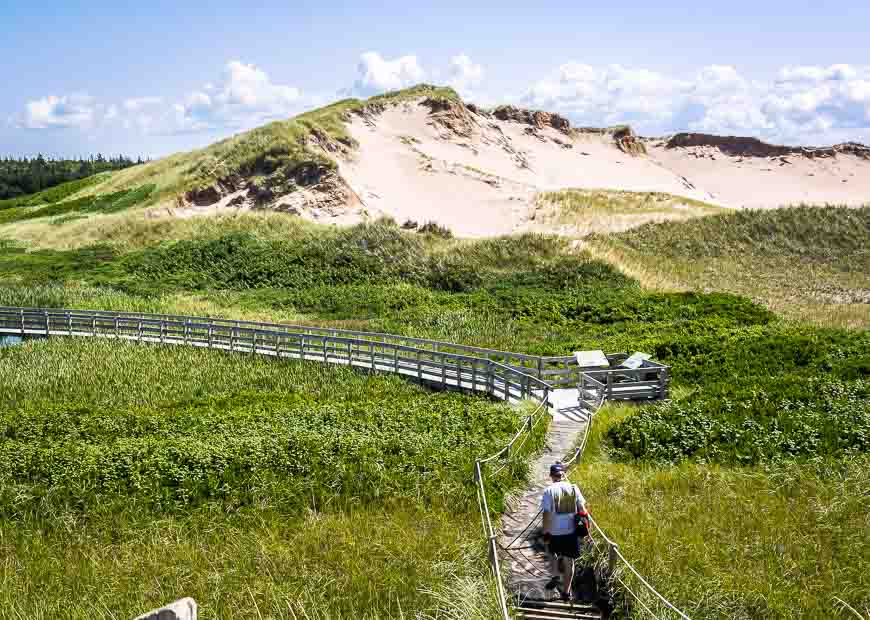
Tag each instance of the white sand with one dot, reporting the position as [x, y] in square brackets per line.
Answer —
[484, 184]
[762, 182]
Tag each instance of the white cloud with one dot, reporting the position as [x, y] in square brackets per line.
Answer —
[244, 97]
[377, 74]
[54, 112]
[798, 104]
[464, 74]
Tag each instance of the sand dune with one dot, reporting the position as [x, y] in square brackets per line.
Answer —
[479, 175]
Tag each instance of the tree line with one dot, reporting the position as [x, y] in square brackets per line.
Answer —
[30, 175]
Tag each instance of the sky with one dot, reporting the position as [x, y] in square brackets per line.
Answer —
[156, 77]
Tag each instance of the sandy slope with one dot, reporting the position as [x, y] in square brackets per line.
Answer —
[762, 182]
[410, 166]
[483, 178]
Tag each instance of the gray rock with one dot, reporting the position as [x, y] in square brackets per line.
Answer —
[182, 609]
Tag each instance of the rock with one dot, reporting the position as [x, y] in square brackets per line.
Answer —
[628, 142]
[183, 609]
[204, 196]
[741, 146]
[536, 118]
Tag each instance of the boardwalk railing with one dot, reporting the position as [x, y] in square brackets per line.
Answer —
[431, 364]
[556, 372]
[504, 375]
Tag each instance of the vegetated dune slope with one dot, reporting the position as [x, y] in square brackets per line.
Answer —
[424, 155]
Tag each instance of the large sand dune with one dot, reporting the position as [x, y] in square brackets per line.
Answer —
[480, 175]
[419, 158]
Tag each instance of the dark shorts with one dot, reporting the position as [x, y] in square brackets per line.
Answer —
[567, 546]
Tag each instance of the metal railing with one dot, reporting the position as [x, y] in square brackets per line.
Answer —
[505, 375]
[556, 371]
[446, 369]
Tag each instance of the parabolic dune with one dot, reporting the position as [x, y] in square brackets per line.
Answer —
[484, 172]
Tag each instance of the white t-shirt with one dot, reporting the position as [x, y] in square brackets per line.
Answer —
[564, 500]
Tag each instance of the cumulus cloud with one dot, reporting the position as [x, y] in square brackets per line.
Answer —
[375, 74]
[797, 104]
[245, 96]
[463, 74]
[53, 112]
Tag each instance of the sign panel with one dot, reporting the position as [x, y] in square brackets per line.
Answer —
[635, 361]
[591, 359]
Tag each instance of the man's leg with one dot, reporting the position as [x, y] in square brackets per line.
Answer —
[554, 571]
[568, 564]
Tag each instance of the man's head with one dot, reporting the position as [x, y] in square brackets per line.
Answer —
[557, 471]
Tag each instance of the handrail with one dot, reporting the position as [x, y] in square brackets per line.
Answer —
[614, 552]
[480, 374]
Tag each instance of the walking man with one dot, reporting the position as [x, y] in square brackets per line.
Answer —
[563, 507]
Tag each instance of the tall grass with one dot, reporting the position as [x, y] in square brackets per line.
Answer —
[808, 263]
[737, 542]
[88, 526]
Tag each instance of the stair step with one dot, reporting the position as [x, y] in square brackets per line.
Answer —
[535, 614]
[553, 610]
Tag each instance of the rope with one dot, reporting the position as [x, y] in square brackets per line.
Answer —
[637, 598]
[14, 319]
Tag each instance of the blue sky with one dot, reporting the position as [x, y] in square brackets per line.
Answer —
[82, 77]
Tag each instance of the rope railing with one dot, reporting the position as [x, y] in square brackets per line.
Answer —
[614, 554]
[378, 353]
[526, 428]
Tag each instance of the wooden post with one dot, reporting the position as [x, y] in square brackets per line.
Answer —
[210, 329]
[140, 330]
[302, 346]
[459, 373]
[612, 557]
[116, 327]
[69, 323]
[372, 353]
[22, 322]
[47, 324]
[443, 372]
[419, 366]
[473, 375]
[254, 342]
[396, 359]
[609, 391]
[541, 368]
[93, 325]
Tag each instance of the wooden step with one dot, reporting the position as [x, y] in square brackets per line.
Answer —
[554, 610]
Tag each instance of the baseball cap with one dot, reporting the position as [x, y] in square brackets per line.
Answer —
[557, 468]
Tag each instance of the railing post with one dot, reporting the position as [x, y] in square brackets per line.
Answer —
[116, 328]
[473, 375]
[22, 322]
[254, 342]
[47, 325]
[541, 368]
[612, 557]
[94, 326]
[609, 391]
[140, 330]
[69, 323]
[210, 329]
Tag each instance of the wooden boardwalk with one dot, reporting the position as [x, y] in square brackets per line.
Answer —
[528, 570]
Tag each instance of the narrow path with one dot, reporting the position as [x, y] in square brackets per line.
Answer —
[528, 571]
